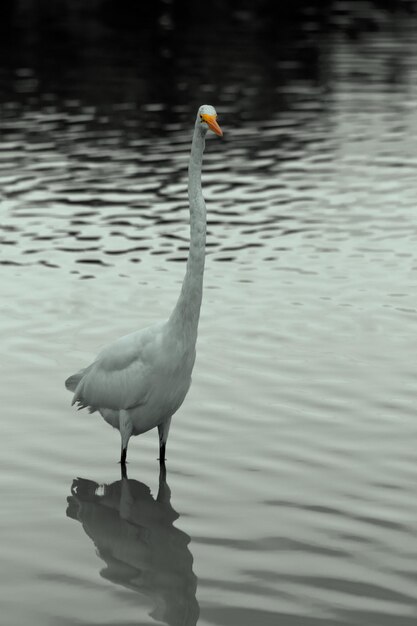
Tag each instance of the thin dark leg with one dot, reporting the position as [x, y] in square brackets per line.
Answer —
[123, 470]
[162, 454]
[123, 456]
[162, 473]
[161, 445]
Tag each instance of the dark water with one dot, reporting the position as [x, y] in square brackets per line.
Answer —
[292, 466]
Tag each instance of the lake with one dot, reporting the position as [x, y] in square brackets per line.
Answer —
[290, 493]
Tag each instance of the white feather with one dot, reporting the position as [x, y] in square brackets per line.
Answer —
[139, 381]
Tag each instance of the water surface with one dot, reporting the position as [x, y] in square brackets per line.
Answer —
[290, 496]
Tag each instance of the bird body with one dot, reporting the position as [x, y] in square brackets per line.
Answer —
[140, 380]
[128, 375]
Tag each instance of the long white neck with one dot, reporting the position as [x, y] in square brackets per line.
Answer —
[186, 313]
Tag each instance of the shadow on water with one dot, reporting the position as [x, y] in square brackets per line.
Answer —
[143, 551]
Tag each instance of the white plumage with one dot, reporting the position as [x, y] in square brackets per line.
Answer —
[139, 381]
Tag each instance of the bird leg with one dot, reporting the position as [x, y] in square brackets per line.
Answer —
[125, 427]
[123, 470]
[163, 436]
[123, 456]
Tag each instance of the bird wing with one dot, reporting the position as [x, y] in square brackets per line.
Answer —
[122, 374]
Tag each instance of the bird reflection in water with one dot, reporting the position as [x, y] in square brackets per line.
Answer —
[135, 535]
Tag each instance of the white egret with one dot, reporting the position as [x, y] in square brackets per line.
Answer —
[139, 381]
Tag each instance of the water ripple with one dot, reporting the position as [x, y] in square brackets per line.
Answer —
[293, 460]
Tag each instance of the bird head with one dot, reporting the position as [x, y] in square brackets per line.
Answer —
[207, 118]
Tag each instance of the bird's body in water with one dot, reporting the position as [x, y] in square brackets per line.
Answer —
[139, 381]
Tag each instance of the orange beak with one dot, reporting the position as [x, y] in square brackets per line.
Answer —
[212, 124]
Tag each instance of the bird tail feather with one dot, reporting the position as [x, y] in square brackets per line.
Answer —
[72, 381]
[73, 384]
